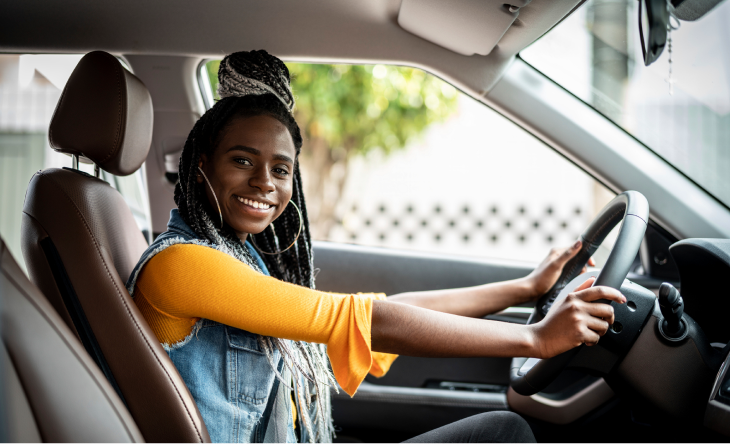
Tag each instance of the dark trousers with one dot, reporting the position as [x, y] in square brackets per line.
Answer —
[485, 427]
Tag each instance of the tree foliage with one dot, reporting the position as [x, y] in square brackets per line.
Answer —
[349, 110]
[365, 107]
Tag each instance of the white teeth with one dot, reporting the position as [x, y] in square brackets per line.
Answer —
[253, 203]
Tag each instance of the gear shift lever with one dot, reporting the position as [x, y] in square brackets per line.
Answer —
[672, 308]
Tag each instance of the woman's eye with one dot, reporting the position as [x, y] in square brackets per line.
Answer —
[243, 161]
[281, 171]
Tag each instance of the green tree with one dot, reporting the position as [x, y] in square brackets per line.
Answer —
[350, 110]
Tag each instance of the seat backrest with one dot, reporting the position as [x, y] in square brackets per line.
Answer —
[52, 390]
[80, 243]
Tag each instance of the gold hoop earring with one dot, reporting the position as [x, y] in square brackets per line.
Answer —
[214, 197]
[301, 224]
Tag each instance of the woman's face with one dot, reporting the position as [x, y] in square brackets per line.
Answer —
[251, 171]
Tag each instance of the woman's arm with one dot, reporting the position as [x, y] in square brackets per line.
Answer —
[479, 301]
[415, 331]
[473, 302]
[184, 283]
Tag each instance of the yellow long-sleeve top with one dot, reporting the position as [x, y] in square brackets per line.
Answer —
[187, 282]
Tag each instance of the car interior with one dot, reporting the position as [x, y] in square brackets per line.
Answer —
[80, 363]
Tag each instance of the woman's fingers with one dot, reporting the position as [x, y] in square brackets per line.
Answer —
[585, 284]
[591, 338]
[599, 292]
[598, 326]
[577, 319]
[571, 251]
[602, 311]
[550, 269]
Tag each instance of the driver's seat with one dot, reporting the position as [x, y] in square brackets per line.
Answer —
[80, 243]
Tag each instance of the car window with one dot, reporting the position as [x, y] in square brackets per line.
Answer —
[395, 157]
[30, 86]
[682, 115]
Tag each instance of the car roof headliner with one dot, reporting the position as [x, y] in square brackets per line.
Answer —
[302, 30]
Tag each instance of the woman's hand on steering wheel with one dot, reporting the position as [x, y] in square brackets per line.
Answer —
[576, 320]
[547, 273]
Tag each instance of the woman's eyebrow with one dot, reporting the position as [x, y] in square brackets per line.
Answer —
[247, 149]
[283, 158]
[256, 152]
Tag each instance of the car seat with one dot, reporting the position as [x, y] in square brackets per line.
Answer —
[81, 242]
[51, 390]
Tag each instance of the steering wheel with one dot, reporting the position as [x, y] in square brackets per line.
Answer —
[529, 376]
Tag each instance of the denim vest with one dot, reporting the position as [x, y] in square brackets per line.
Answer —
[224, 368]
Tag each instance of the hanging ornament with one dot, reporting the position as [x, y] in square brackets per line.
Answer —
[671, 27]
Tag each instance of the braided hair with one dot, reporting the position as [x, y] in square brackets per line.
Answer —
[253, 84]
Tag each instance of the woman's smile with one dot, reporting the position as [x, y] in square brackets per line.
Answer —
[255, 207]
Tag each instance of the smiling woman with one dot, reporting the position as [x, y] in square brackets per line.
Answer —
[251, 337]
[241, 156]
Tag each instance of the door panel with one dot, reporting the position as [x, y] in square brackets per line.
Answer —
[417, 394]
[422, 372]
[351, 268]
[392, 414]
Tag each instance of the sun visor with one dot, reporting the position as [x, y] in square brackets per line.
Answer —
[466, 27]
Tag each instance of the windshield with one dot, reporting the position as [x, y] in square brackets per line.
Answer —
[680, 110]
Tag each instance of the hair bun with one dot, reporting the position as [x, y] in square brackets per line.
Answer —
[246, 73]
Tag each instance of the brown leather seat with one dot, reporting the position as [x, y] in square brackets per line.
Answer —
[52, 390]
[80, 243]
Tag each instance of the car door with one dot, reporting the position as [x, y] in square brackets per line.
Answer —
[417, 394]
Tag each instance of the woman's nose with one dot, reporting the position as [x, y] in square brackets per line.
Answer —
[262, 180]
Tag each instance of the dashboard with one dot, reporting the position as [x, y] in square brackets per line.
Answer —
[695, 365]
[685, 377]
[702, 263]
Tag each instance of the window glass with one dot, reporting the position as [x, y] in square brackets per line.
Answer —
[680, 110]
[30, 86]
[395, 157]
